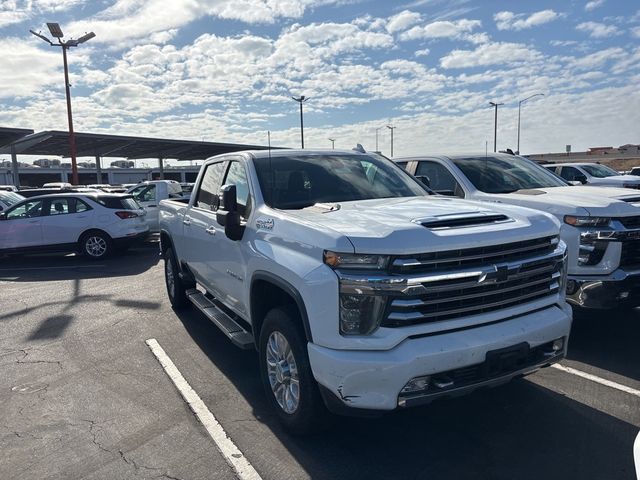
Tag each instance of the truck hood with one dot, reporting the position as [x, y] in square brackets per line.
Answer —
[618, 179]
[397, 225]
[578, 200]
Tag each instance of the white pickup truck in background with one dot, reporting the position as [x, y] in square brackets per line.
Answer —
[593, 174]
[601, 226]
[149, 194]
[360, 291]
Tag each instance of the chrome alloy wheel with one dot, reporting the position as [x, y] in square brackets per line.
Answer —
[283, 372]
[95, 246]
[169, 276]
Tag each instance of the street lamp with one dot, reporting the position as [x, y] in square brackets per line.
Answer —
[377, 130]
[333, 143]
[301, 99]
[519, 106]
[56, 32]
[495, 126]
[392, 129]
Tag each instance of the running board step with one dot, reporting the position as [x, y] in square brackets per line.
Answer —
[238, 335]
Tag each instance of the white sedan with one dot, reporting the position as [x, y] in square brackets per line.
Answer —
[93, 224]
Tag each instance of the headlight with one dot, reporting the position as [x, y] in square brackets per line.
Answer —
[587, 221]
[355, 261]
[360, 314]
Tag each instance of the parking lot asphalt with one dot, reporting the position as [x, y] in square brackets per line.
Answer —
[83, 397]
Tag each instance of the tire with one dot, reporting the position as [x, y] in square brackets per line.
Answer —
[175, 287]
[307, 415]
[96, 245]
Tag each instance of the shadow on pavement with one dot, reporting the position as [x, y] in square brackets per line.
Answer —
[520, 430]
[609, 340]
[53, 267]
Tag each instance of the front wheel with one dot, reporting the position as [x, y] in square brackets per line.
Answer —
[96, 245]
[286, 373]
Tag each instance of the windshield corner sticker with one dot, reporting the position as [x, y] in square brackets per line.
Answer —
[264, 224]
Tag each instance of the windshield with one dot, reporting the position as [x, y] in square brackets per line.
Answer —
[599, 171]
[500, 175]
[301, 181]
[11, 198]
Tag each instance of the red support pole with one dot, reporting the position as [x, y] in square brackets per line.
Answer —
[72, 136]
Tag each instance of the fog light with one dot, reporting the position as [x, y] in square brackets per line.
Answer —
[417, 384]
[572, 287]
[558, 345]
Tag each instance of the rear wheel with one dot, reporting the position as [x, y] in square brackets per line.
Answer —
[286, 373]
[96, 245]
[175, 287]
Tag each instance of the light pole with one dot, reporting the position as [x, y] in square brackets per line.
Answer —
[333, 143]
[495, 126]
[301, 99]
[377, 130]
[519, 107]
[392, 129]
[56, 32]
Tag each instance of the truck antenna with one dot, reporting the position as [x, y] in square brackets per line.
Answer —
[271, 173]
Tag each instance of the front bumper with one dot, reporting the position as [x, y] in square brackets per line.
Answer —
[619, 289]
[373, 380]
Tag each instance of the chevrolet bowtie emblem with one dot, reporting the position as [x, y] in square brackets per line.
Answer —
[502, 273]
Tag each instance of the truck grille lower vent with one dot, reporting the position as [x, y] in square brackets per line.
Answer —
[629, 222]
[630, 253]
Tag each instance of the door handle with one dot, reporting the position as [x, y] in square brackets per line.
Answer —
[34, 221]
[152, 206]
[186, 221]
[211, 230]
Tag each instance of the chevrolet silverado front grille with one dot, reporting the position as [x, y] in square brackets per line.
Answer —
[471, 257]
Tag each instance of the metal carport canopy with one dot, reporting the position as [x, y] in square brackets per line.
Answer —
[54, 142]
[9, 135]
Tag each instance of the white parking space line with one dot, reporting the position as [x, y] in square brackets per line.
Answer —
[234, 457]
[636, 455]
[601, 381]
[93, 265]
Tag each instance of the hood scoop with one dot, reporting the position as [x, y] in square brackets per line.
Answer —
[459, 221]
[531, 191]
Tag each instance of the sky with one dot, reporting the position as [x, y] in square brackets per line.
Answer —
[225, 70]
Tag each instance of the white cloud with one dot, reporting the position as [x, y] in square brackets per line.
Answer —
[402, 21]
[489, 54]
[598, 30]
[635, 31]
[593, 5]
[456, 29]
[17, 11]
[128, 19]
[511, 21]
[422, 53]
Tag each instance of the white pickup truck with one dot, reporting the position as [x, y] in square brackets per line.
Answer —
[360, 291]
[149, 194]
[601, 226]
[593, 174]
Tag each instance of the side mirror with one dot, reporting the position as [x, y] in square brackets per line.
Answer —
[3, 216]
[424, 180]
[581, 178]
[228, 215]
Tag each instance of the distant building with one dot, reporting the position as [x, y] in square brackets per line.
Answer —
[122, 164]
[47, 163]
[600, 150]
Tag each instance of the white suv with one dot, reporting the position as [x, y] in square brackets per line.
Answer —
[93, 224]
